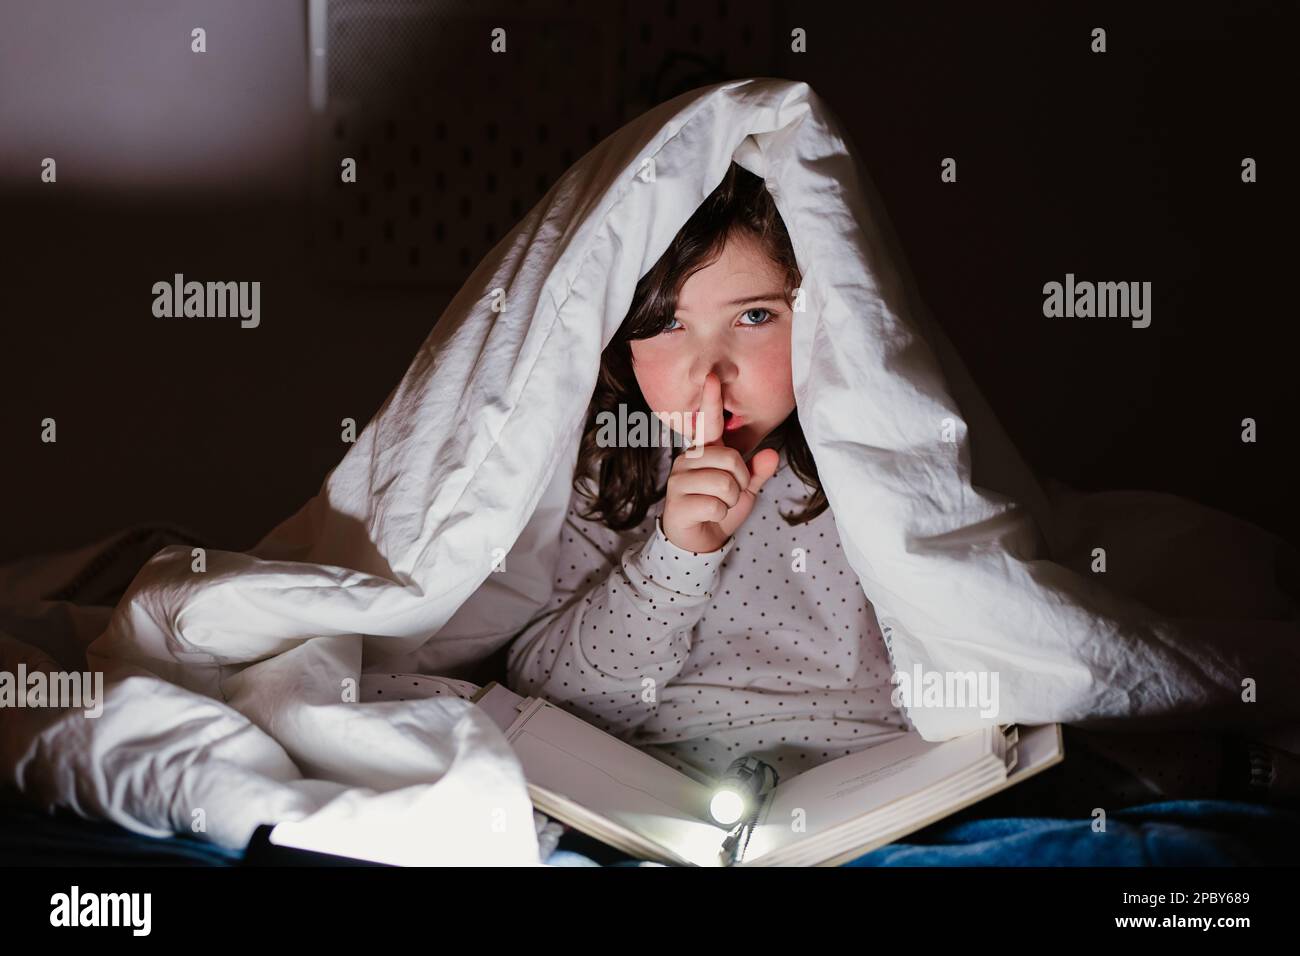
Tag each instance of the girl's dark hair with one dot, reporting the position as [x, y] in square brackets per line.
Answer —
[626, 479]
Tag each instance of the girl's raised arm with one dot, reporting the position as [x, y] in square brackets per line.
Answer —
[607, 654]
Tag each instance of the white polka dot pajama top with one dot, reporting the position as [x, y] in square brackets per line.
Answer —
[748, 655]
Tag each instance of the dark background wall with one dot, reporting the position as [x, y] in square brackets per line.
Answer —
[1122, 167]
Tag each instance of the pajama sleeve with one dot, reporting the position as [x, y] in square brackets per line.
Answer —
[607, 654]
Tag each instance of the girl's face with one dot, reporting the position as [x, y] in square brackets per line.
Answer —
[731, 319]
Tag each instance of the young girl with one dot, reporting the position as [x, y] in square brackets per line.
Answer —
[699, 614]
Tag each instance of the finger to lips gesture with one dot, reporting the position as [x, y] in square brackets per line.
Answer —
[711, 489]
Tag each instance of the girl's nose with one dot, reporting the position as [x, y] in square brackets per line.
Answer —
[723, 368]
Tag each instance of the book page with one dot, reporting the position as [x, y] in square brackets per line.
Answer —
[501, 704]
[1040, 747]
[887, 823]
[860, 783]
[613, 780]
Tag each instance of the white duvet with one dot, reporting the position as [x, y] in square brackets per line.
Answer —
[228, 691]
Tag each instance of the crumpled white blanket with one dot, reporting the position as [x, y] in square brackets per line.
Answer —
[432, 541]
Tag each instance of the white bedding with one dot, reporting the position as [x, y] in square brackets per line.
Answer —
[226, 688]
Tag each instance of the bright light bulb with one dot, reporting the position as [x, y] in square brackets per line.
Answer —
[727, 806]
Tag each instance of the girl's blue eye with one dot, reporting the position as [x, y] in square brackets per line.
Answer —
[667, 327]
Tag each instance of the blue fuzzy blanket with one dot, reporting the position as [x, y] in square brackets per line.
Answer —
[1170, 833]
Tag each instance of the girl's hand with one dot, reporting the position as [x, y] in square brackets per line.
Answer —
[711, 494]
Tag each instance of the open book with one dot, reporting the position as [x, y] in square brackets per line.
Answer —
[825, 816]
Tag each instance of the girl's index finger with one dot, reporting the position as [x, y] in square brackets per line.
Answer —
[708, 420]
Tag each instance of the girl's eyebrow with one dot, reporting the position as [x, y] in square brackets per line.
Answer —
[748, 300]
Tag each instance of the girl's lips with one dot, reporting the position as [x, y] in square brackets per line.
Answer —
[732, 422]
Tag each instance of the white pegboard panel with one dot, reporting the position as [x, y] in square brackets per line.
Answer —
[454, 143]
